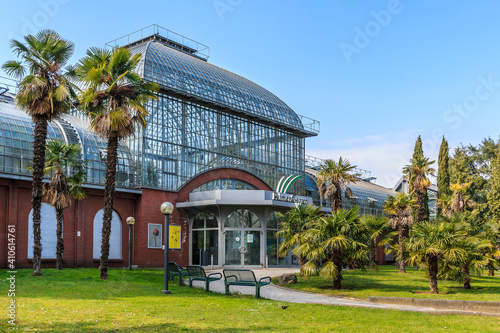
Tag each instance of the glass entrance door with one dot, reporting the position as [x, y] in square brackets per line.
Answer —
[251, 245]
[242, 247]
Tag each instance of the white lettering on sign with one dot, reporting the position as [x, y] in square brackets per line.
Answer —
[290, 198]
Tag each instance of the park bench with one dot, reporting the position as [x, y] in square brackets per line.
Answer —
[197, 273]
[174, 270]
[244, 277]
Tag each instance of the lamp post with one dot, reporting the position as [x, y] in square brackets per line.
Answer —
[166, 208]
[130, 222]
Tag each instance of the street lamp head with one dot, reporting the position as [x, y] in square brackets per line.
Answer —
[130, 220]
[167, 208]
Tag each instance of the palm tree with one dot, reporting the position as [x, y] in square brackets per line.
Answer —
[45, 93]
[418, 173]
[333, 178]
[377, 226]
[113, 99]
[399, 208]
[332, 240]
[292, 226]
[491, 230]
[431, 243]
[61, 190]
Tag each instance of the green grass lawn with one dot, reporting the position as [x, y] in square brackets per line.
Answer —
[75, 300]
[386, 281]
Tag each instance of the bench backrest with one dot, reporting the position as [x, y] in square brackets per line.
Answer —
[173, 267]
[240, 275]
[196, 271]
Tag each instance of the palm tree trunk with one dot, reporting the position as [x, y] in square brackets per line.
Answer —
[420, 207]
[491, 272]
[109, 196]
[373, 254]
[433, 271]
[466, 272]
[60, 241]
[337, 260]
[302, 261]
[401, 259]
[40, 134]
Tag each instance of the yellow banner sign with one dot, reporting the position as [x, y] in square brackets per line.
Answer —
[174, 233]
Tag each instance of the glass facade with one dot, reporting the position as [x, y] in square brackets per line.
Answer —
[183, 140]
[225, 184]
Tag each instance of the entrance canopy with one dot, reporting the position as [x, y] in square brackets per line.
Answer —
[245, 198]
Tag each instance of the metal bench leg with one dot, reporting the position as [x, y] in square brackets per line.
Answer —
[190, 283]
[227, 288]
[257, 291]
[207, 284]
[180, 279]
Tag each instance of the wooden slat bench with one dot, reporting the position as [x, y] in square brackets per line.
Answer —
[197, 273]
[174, 270]
[244, 277]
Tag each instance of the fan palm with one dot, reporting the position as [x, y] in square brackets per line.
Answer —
[431, 243]
[61, 190]
[399, 208]
[292, 226]
[113, 98]
[418, 173]
[333, 179]
[332, 240]
[44, 93]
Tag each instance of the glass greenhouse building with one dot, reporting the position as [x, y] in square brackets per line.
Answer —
[216, 145]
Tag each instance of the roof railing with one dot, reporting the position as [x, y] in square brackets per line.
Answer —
[361, 174]
[169, 37]
[310, 124]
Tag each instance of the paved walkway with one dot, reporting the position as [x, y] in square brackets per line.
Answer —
[277, 293]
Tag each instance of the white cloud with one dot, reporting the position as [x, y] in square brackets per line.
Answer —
[384, 159]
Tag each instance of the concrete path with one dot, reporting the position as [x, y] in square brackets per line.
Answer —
[277, 293]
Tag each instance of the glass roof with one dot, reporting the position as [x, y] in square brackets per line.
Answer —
[197, 79]
[16, 145]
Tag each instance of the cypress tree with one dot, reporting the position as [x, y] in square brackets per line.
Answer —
[418, 152]
[443, 170]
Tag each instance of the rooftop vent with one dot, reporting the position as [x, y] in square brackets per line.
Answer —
[165, 36]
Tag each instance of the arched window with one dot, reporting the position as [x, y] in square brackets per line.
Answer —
[225, 184]
[115, 239]
[242, 218]
[48, 232]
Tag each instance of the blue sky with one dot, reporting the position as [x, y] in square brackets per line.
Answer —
[376, 74]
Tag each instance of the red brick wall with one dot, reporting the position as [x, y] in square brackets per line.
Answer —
[15, 206]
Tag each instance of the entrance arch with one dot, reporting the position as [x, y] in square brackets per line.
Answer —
[242, 238]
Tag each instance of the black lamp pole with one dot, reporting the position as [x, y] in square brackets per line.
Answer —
[167, 209]
[130, 222]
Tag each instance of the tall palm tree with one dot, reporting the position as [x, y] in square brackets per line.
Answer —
[292, 225]
[399, 209]
[44, 93]
[418, 173]
[333, 178]
[61, 189]
[431, 243]
[113, 99]
[333, 240]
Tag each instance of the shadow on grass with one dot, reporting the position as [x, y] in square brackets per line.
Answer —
[163, 327]
[82, 283]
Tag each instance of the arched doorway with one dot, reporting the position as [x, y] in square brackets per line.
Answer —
[115, 239]
[48, 228]
[242, 236]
